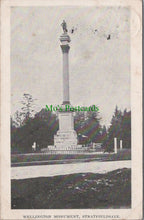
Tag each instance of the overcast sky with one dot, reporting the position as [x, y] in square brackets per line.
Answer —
[99, 57]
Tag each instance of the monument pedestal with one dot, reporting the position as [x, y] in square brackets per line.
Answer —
[66, 137]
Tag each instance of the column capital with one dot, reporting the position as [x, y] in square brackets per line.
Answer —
[65, 48]
[65, 38]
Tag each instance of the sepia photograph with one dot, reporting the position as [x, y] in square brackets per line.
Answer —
[73, 125]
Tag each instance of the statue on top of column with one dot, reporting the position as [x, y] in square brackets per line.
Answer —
[64, 26]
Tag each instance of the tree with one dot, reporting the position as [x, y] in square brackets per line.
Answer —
[28, 107]
[17, 119]
[40, 129]
[120, 128]
[126, 129]
[79, 120]
[87, 125]
[92, 126]
[103, 134]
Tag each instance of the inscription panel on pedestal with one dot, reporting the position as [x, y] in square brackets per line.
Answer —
[66, 121]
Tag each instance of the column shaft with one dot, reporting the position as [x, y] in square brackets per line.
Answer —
[65, 78]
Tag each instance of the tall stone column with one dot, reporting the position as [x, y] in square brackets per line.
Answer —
[65, 39]
[65, 51]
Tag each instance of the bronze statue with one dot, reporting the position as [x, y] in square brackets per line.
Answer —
[64, 26]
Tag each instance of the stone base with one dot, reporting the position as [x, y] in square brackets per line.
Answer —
[66, 137]
[66, 140]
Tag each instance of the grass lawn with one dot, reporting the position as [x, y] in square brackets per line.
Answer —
[124, 154]
[75, 191]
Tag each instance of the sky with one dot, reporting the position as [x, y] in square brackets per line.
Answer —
[99, 57]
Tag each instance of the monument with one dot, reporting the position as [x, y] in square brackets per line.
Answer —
[66, 137]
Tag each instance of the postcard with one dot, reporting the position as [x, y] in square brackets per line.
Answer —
[71, 109]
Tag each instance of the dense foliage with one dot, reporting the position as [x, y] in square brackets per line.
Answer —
[40, 129]
[27, 128]
[120, 128]
[87, 126]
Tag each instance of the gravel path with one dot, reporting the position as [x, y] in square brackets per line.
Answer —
[63, 169]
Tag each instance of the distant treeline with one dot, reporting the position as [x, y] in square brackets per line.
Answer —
[28, 127]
